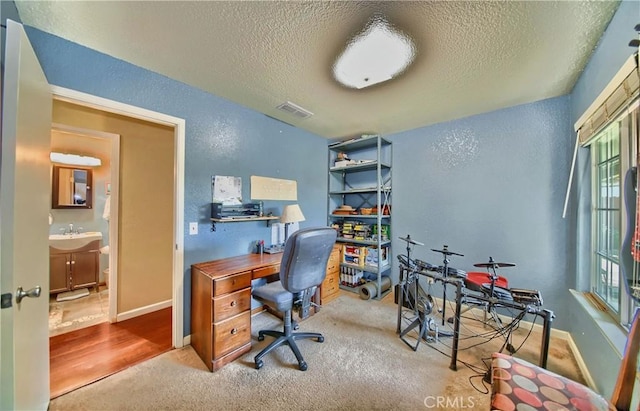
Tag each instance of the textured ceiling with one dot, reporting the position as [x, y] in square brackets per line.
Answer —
[472, 56]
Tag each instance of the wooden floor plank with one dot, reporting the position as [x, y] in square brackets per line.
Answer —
[83, 356]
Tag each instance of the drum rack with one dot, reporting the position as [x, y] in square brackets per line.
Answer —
[409, 276]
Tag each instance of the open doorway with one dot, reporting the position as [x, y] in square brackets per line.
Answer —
[118, 310]
[79, 282]
[141, 270]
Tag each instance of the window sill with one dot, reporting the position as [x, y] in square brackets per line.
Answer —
[610, 329]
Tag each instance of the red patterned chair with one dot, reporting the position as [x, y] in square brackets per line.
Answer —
[518, 385]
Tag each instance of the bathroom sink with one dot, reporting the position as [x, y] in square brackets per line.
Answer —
[73, 241]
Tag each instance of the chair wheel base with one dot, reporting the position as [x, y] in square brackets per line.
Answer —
[320, 339]
[260, 337]
[303, 366]
[259, 364]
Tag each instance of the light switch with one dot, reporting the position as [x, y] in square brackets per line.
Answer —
[193, 228]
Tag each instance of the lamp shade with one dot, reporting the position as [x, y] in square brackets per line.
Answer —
[291, 214]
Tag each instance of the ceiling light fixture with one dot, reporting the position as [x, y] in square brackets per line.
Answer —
[74, 159]
[379, 53]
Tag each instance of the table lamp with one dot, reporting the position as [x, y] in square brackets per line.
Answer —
[290, 214]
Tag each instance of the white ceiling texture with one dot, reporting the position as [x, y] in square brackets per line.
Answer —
[471, 56]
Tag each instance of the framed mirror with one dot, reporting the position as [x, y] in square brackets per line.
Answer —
[71, 187]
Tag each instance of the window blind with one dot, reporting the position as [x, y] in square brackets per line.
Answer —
[622, 91]
[615, 98]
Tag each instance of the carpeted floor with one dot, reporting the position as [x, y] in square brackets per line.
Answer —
[362, 365]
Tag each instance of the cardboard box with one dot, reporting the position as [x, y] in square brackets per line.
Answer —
[354, 255]
[350, 276]
[372, 256]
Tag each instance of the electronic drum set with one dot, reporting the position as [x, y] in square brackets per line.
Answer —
[474, 289]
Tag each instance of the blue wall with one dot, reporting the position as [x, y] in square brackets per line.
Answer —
[222, 138]
[490, 185]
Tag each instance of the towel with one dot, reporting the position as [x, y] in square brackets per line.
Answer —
[106, 214]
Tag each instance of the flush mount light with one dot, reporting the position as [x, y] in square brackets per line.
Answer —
[378, 54]
[74, 159]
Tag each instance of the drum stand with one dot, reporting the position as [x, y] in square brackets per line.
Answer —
[490, 308]
[445, 272]
[421, 305]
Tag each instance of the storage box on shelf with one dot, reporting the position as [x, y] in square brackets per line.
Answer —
[351, 277]
[359, 204]
[375, 256]
[385, 231]
[355, 255]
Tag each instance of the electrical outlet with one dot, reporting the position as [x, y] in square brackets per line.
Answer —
[193, 228]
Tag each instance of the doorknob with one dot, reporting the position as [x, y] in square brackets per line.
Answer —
[32, 293]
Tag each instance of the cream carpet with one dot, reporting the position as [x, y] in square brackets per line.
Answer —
[362, 365]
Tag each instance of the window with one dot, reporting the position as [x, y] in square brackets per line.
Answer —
[613, 152]
[609, 127]
[607, 216]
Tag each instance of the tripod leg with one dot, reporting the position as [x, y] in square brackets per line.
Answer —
[484, 315]
[444, 298]
[464, 310]
[401, 297]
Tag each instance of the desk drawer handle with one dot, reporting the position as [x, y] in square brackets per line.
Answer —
[234, 303]
[234, 331]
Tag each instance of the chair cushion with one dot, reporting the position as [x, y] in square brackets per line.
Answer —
[274, 295]
[518, 384]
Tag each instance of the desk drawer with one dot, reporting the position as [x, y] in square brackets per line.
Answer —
[231, 334]
[329, 286]
[231, 304]
[333, 264]
[232, 283]
[266, 271]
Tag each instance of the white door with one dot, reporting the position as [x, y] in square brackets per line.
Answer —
[25, 201]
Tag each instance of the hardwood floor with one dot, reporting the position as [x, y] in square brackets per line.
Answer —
[81, 357]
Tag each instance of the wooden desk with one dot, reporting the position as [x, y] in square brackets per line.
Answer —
[221, 305]
[221, 302]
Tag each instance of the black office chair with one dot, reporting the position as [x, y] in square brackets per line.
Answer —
[302, 270]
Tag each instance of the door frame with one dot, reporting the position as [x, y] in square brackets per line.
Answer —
[178, 124]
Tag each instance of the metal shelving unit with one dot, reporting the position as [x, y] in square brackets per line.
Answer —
[365, 183]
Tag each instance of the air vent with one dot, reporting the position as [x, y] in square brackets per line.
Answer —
[295, 110]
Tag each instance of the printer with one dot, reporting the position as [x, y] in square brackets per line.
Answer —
[231, 211]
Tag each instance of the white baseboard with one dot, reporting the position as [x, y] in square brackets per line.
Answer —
[186, 340]
[143, 310]
[581, 364]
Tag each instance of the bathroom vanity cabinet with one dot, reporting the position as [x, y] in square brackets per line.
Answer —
[73, 269]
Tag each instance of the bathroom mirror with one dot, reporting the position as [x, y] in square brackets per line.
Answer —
[71, 187]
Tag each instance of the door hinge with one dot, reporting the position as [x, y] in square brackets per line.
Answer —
[5, 300]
